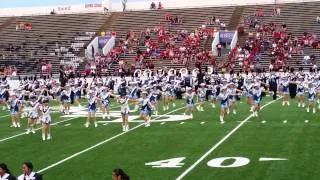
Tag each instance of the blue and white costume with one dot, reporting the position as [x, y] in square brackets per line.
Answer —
[300, 88]
[189, 100]
[14, 107]
[224, 99]
[105, 99]
[202, 94]
[257, 95]
[92, 107]
[145, 106]
[33, 112]
[312, 94]
[46, 118]
[124, 105]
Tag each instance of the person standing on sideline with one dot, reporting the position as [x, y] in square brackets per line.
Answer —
[5, 173]
[119, 174]
[27, 169]
[273, 86]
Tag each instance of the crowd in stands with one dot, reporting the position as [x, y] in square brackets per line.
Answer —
[159, 43]
[24, 26]
[154, 6]
[8, 70]
[274, 40]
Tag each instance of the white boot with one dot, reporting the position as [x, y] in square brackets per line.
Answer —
[308, 110]
[221, 120]
[28, 131]
[314, 110]
[234, 111]
[49, 137]
[43, 137]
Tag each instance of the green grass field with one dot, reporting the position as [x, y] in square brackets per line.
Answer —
[233, 150]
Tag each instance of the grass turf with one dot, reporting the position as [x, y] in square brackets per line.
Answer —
[296, 140]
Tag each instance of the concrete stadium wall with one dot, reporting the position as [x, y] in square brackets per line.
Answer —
[132, 5]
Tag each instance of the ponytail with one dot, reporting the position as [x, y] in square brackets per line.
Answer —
[119, 172]
[5, 168]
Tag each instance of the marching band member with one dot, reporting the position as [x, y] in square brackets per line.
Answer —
[232, 91]
[189, 102]
[300, 92]
[123, 100]
[284, 88]
[105, 102]
[92, 109]
[32, 114]
[201, 96]
[257, 96]
[45, 119]
[224, 98]
[312, 97]
[248, 86]
[145, 111]
[66, 99]
[3, 96]
[14, 111]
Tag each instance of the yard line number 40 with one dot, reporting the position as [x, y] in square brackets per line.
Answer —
[215, 163]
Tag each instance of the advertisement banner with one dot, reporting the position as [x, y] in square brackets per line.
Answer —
[102, 41]
[226, 36]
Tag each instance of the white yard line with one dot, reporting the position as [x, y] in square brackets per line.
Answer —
[21, 134]
[4, 116]
[100, 143]
[218, 144]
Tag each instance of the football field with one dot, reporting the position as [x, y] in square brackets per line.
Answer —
[281, 144]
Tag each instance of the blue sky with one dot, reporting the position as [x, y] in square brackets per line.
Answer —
[30, 3]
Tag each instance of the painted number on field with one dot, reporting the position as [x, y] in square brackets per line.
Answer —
[235, 162]
[167, 163]
[221, 162]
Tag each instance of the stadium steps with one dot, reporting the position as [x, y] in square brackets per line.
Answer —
[235, 18]
[7, 22]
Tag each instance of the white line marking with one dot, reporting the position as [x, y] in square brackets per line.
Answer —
[67, 124]
[17, 135]
[306, 121]
[4, 116]
[242, 121]
[272, 159]
[218, 144]
[202, 122]
[285, 121]
[105, 124]
[100, 143]
[263, 122]
[21, 134]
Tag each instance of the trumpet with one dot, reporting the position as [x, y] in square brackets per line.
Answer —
[183, 72]
[138, 72]
[172, 72]
[147, 73]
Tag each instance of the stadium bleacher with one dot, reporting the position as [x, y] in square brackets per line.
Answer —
[52, 35]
